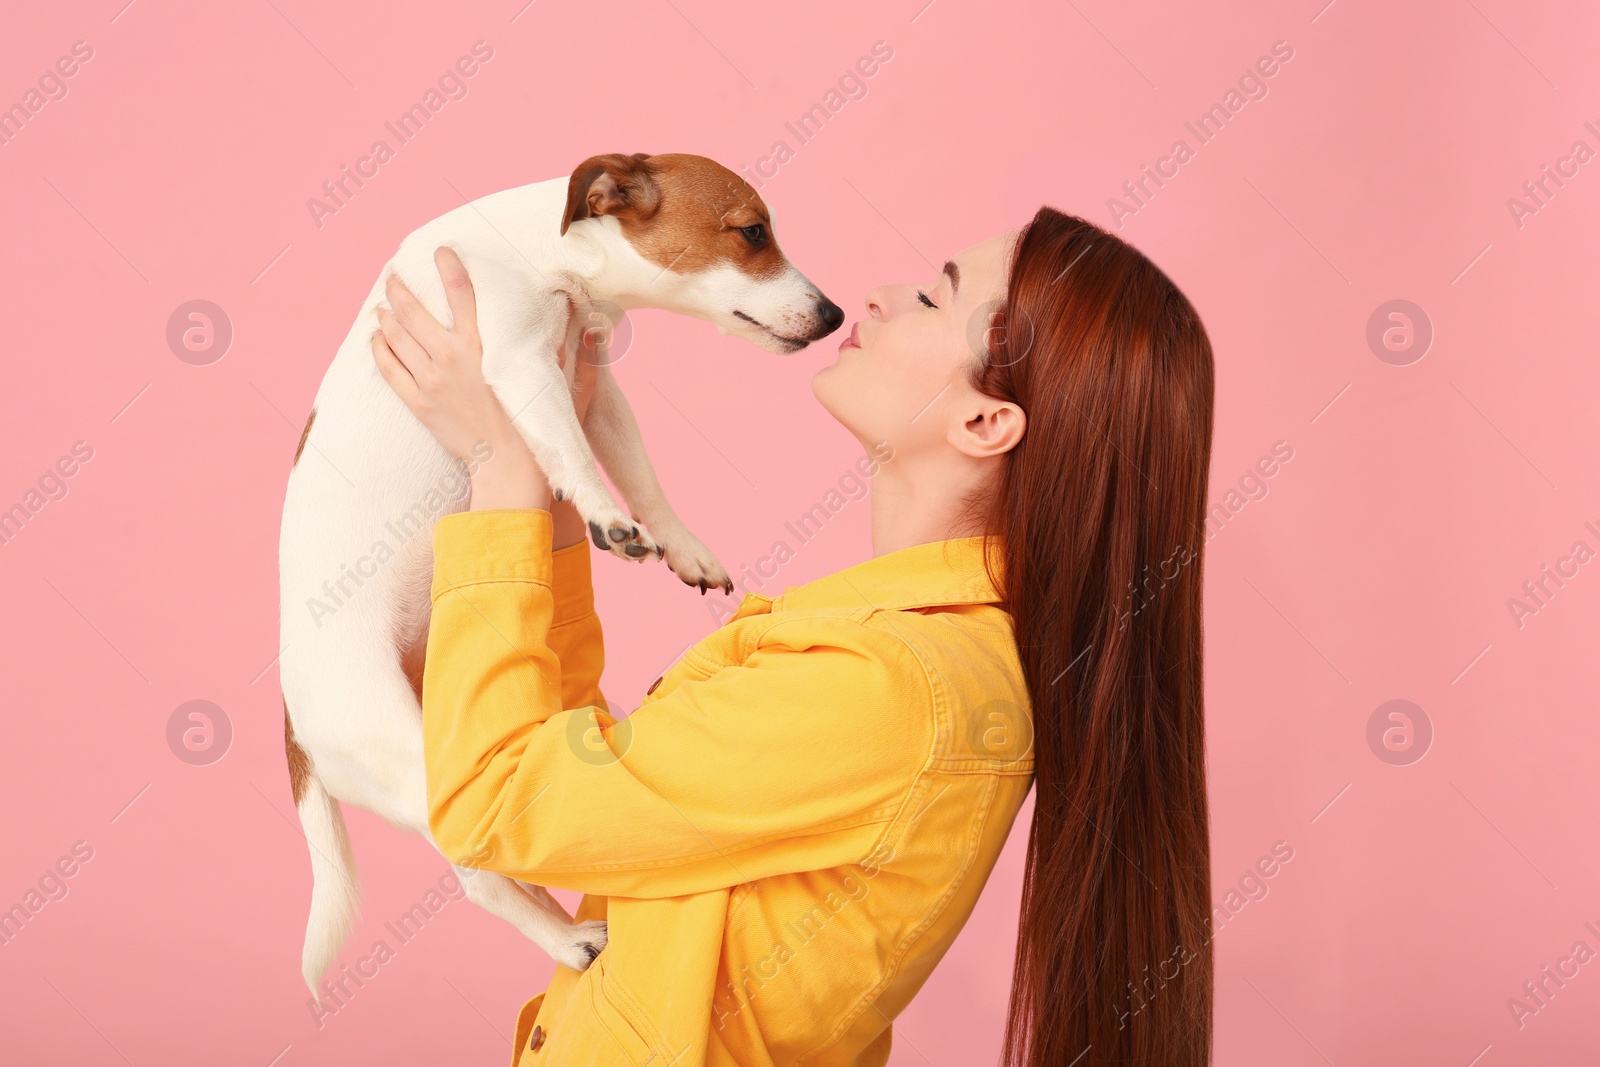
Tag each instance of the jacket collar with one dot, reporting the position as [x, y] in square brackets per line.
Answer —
[934, 574]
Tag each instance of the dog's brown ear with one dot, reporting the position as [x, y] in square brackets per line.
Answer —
[612, 184]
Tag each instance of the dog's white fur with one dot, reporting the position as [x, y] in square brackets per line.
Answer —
[371, 475]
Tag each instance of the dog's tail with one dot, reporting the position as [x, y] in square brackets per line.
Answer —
[335, 889]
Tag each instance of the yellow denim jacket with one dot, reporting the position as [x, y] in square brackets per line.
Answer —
[784, 838]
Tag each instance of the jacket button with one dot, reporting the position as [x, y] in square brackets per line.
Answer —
[536, 1039]
[653, 685]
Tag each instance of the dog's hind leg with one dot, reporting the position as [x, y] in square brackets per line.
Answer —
[537, 914]
[385, 772]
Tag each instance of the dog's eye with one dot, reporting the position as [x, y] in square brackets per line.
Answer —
[756, 235]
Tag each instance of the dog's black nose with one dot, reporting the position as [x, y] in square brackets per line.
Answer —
[832, 314]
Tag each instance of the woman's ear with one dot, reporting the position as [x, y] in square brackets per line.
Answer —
[991, 428]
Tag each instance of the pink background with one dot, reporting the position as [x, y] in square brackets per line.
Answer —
[1377, 567]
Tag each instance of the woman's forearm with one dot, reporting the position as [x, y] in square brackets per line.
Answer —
[509, 478]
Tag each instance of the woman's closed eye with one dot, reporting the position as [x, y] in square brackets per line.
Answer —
[924, 298]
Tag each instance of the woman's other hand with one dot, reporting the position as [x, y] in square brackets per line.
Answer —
[588, 371]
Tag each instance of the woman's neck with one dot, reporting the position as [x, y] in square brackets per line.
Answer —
[912, 505]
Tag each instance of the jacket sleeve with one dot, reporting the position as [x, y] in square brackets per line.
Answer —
[575, 636]
[792, 760]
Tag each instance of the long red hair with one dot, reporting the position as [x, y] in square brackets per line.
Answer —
[1100, 522]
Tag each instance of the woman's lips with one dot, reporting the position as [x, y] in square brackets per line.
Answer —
[852, 341]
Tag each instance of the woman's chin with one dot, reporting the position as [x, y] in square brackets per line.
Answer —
[819, 383]
[827, 388]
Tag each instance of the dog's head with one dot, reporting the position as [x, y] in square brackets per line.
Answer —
[691, 236]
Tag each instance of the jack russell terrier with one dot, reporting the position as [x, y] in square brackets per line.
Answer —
[677, 232]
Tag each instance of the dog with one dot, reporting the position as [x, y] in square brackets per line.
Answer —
[547, 262]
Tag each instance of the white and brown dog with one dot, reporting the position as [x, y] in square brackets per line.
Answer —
[678, 232]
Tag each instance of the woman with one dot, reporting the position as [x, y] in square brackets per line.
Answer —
[790, 831]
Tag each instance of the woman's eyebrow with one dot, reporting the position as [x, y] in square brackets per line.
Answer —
[955, 275]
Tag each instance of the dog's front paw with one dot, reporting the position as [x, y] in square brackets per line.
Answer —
[694, 564]
[622, 537]
[582, 943]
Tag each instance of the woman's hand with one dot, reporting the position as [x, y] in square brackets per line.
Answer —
[438, 373]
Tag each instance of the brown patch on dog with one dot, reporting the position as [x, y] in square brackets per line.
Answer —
[305, 433]
[678, 211]
[299, 759]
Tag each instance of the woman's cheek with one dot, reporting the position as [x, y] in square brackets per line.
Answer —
[922, 375]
